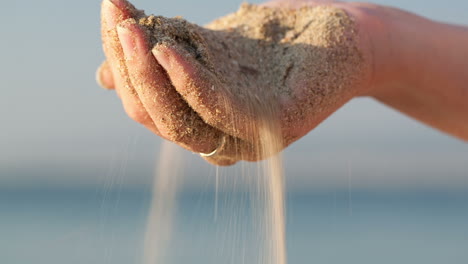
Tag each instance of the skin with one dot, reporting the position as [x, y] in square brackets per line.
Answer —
[415, 65]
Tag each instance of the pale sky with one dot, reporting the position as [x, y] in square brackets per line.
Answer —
[60, 129]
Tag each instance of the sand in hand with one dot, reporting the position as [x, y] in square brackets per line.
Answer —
[301, 61]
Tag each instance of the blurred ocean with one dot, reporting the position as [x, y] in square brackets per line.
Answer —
[369, 185]
[347, 226]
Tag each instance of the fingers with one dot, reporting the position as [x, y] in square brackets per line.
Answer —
[180, 123]
[149, 96]
[172, 116]
[205, 94]
[113, 13]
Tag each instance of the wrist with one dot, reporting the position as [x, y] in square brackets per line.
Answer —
[399, 46]
[375, 45]
[379, 45]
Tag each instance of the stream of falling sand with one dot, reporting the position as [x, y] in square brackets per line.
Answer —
[264, 181]
[160, 217]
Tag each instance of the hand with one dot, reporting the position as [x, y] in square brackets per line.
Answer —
[199, 103]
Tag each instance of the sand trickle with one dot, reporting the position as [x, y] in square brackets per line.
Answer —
[264, 59]
[250, 221]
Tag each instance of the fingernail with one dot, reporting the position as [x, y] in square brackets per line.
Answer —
[162, 57]
[109, 13]
[133, 39]
[127, 41]
[121, 4]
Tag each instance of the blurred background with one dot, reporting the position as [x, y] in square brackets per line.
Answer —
[369, 185]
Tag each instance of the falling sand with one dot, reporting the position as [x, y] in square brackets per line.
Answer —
[251, 227]
[258, 57]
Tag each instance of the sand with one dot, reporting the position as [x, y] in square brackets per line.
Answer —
[307, 56]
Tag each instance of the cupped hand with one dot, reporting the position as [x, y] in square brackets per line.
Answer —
[172, 93]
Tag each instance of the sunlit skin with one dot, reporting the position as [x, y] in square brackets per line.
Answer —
[415, 65]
